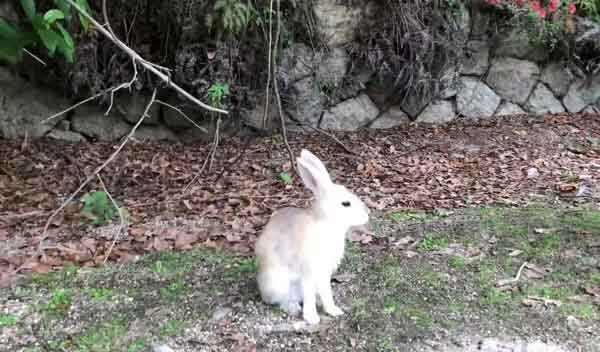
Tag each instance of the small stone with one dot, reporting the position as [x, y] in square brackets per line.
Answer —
[161, 348]
[532, 172]
[220, 313]
[508, 108]
[68, 136]
[90, 121]
[558, 78]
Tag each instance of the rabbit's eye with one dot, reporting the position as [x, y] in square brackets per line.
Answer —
[346, 204]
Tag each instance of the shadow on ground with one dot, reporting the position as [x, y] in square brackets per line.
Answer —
[479, 279]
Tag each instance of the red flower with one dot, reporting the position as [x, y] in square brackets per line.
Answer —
[493, 2]
[553, 5]
[572, 8]
[542, 13]
[536, 5]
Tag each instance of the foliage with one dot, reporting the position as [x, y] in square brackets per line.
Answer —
[217, 92]
[286, 178]
[545, 23]
[99, 208]
[60, 301]
[234, 15]
[48, 29]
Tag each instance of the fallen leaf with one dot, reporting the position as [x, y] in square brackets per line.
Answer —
[515, 253]
[534, 301]
[535, 272]
[593, 291]
[185, 240]
[160, 245]
[404, 241]
[345, 277]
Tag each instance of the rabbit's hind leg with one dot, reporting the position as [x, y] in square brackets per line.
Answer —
[276, 287]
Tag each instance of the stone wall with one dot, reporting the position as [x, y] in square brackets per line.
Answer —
[497, 76]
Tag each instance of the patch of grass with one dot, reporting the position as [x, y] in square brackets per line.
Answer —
[173, 290]
[243, 268]
[595, 278]
[102, 338]
[99, 294]
[548, 291]
[7, 320]
[384, 344]
[138, 345]
[495, 298]
[430, 243]
[420, 318]
[582, 220]
[60, 301]
[582, 311]
[171, 328]
[457, 262]
[62, 278]
[390, 306]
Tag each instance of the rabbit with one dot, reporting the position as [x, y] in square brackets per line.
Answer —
[299, 249]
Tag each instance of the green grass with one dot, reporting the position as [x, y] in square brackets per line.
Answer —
[457, 262]
[102, 338]
[99, 294]
[60, 301]
[171, 328]
[174, 290]
[430, 243]
[138, 345]
[7, 320]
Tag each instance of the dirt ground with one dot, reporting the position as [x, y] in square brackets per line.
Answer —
[427, 281]
[485, 237]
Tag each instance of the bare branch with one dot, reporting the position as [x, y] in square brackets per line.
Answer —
[96, 172]
[137, 58]
[182, 114]
[122, 223]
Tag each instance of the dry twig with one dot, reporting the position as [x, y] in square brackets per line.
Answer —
[121, 218]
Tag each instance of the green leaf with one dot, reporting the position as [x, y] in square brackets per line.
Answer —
[50, 39]
[29, 8]
[85, 23]
[6, 30]
[67, 46]
[286, 178]
[10, 51]
[65, 7]
[53, 15]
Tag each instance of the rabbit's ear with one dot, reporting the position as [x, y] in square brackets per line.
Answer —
[311, 159]
[313, 179]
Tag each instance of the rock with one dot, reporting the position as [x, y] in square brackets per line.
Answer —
[24, 106]
[175, 121]
[476, 60]
[350, 114]
[306, 102]
[253, 117]
[337, 22]
[438, 112]
[220, 313]
[155, 133]
[391, 118]
[558, 78]
[532, 172]
[68, 136]
[64, 125]
[161, 348]
[194, 134]
[542, 101]
[132, 106]
[592, 109]
[297, 62]
[333, 68]
[513, 79]
[581, 94]
[508, 108]
[90, 121]
[517, 44]
[415, 103]
[480, 22]
[449, 83]
[475, 99]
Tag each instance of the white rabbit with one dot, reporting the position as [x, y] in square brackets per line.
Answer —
[299, 249]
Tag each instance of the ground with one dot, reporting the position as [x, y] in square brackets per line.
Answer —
[482, 238]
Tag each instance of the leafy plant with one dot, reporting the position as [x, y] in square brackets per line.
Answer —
[60, 301]
[217, 92]
[234, 15]
[286, 178]
[7, 320]
[99, 208]
[48, 29]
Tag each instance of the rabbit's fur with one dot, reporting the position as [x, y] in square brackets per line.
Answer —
[299, 249]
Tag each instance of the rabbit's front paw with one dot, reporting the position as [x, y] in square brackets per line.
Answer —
[334, 311]
[311, 317]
